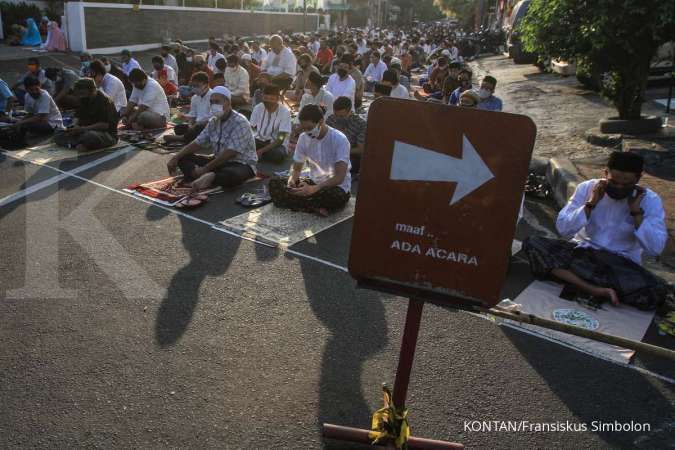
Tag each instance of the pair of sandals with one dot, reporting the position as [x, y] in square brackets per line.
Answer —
[191, 201]
[254, 200]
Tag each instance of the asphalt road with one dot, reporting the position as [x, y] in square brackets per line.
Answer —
[127, 325]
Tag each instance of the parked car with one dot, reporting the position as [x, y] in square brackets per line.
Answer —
[513, 44]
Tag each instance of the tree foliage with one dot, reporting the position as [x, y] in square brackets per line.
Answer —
[463, 10]
[620, 37]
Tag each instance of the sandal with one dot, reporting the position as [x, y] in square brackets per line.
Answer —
[191, 201]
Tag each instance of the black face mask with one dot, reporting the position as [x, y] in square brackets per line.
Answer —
[342, 73]
[618, 193]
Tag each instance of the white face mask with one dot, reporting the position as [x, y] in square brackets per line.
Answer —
[315, 132]
[189, 59]
[107, 67]
[217, 110]
[484, 93]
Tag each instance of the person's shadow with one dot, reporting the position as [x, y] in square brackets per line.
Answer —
[358, 330]
[177, 308]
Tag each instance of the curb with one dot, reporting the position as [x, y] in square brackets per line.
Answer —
[563, 178]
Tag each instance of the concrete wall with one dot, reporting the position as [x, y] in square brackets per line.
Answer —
[107, 28]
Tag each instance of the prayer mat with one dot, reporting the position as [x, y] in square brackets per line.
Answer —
[542, 299]
[50, 152]
[167, 191]
[283, 228]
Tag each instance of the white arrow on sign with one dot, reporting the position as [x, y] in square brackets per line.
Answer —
[412, 163]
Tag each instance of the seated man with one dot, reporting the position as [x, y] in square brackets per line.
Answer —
[64, 80]
[298, 86]
[129, 63]
[464, 79]
[7, 99]
[488, 100]
[356, 74]
[316, 94]
[237, 81]
[200, 109]
[43, 116]
[228, 135]
[390, 78]
[111, 86]
[374, 71]
[381, 90]
[326, 152]
[165, 76]
[271, 122]
[469, 99]
[96, 120]
[218, 79]
[341, 84]
[612, 222]
[148, 108]
[34, 71]
[280, 63]
[352, 126]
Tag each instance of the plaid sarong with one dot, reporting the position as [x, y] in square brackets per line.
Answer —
[634, 284]
[331, 199]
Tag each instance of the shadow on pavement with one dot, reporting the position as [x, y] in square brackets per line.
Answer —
[358, 330]
[177, 308]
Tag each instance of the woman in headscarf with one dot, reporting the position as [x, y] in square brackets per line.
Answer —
[56, 40]
[31, 36]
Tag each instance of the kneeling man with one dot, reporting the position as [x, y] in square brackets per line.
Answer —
[326, 151]
[229, 137]
[612, 222]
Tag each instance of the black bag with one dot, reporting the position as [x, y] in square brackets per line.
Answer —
[11, 138]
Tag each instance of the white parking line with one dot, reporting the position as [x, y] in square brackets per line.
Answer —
[641, 370]
[64, 174]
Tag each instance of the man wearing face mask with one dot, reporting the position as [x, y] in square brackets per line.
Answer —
[352, 126]
[43, 116]
[169, 59]
[129, 63]
[271, 122]
[85, 62]
[326, 151]
[200, 110]
[341, 84]
[374, 71]
[109, 84]
[464, 79]
[95, 120]
[316, 94]
[612, 222]
[298, 86]
[488, 101]
[228, 135]
[64, 80]
[237, 81]
[165, 76]
[148, 107]
[34, 71]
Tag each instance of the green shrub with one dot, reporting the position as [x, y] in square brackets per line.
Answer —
[17, 13]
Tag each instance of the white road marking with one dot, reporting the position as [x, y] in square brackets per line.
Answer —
[64, 174]
[344, 269]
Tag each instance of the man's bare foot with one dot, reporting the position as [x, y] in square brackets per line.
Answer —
[609, 294]
[203, 182]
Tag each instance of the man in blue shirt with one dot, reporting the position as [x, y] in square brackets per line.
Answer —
[464, 79]
[488, 101]
[6, 98]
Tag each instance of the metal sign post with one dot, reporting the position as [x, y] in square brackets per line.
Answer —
[439, 195]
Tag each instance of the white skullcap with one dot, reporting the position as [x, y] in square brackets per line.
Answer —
[222, 90]
[246, 57]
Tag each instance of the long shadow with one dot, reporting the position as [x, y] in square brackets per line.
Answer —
[358, 330]
[206, 259]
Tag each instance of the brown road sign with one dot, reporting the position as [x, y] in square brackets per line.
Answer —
[439, 194]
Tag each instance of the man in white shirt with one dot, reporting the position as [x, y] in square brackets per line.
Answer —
[43, 116]
[200, 111]
[258, 54]
[271, 124]
[237, 81]
[341, 84]
[316, 94]
[213, 56]
[129, 63]
[280, 63]
[390, 78]
[314, 45]
[169, 59]
[109, 84]
[611, 223]
[374, 71]
[148, 107]
[326, 151]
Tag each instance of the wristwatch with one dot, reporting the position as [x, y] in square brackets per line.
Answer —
[641, 212]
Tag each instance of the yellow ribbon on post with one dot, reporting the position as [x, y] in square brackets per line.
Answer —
[390, 424]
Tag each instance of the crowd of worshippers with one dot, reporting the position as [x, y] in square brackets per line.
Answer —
[241, 97]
